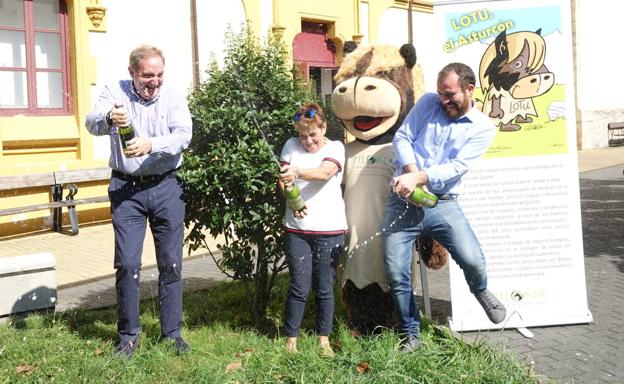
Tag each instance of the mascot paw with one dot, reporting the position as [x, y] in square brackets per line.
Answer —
[433, 254]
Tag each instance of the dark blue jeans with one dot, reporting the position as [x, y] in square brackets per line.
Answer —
[312, 263]
[133, 204]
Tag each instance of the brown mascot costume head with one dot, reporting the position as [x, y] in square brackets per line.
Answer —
[376, 88]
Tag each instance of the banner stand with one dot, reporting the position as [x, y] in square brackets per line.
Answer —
[522, 198]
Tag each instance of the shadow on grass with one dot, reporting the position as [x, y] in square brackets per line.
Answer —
[206, 302]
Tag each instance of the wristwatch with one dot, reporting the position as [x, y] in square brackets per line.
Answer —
[109, 119]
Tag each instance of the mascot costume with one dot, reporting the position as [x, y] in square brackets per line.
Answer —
[376, 88]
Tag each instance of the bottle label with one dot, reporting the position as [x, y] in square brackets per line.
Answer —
[428, 202]
[126, 134]
[296, 204]
[420, 196]
[293, 198]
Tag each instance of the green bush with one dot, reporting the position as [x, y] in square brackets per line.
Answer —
[242, 117]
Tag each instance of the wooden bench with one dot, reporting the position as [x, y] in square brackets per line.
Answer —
[616, 134]
[58, 182]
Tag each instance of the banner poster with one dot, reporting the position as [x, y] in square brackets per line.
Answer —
[522, 198]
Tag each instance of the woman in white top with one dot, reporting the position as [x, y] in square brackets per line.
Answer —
[315, 235]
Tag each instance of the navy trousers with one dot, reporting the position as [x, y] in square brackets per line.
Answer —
[312, 263]
[133, 204]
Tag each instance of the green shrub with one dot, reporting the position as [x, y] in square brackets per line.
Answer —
[242, 117]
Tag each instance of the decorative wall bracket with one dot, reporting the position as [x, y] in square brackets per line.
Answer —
[278, 30]
[358, 38]
[97, 15]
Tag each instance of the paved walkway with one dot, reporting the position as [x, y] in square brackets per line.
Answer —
[587, 353]
[87, 256]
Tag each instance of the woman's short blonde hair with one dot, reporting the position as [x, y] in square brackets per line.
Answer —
[309, 115]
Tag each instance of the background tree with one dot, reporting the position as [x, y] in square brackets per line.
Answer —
[242, 116]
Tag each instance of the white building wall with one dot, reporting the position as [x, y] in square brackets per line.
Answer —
[327, 85]
[212, 23]
[157, 22]
[364, 22]
[266, 17]
[599, 79]
[131, 23]
[393, 30]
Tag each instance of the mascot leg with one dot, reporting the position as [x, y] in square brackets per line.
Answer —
[369, 309]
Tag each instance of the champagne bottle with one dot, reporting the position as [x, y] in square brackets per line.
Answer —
[126, 133]
[422, 197]
[293, 197]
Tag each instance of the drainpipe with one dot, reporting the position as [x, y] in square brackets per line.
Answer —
[409, 22]
[194, 45]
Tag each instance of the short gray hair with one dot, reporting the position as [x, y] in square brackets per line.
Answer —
[141, 52]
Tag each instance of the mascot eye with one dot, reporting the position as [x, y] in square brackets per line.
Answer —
[517, 64]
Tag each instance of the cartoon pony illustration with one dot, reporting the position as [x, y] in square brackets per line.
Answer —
[512, 73]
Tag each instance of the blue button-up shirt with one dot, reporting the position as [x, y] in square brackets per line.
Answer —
[165, 120]
[442, 147]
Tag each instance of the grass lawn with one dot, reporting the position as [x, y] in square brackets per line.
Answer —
[78, 346]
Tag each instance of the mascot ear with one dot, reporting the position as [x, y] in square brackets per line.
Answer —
[539, 31]
[349, 46]
[409, 54]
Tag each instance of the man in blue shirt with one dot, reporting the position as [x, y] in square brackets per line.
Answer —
[438, 141]
[144, 187]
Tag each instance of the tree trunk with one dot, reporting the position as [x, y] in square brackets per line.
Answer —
[261, 294]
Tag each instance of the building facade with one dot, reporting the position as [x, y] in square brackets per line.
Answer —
[56, 55]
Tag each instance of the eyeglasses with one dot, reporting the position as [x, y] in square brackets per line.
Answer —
[308, 114]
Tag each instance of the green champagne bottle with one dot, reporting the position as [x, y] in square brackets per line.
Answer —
[422, 197]
[293, 197]
[125, 135]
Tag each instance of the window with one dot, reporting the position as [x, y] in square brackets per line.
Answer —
[34, 62]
